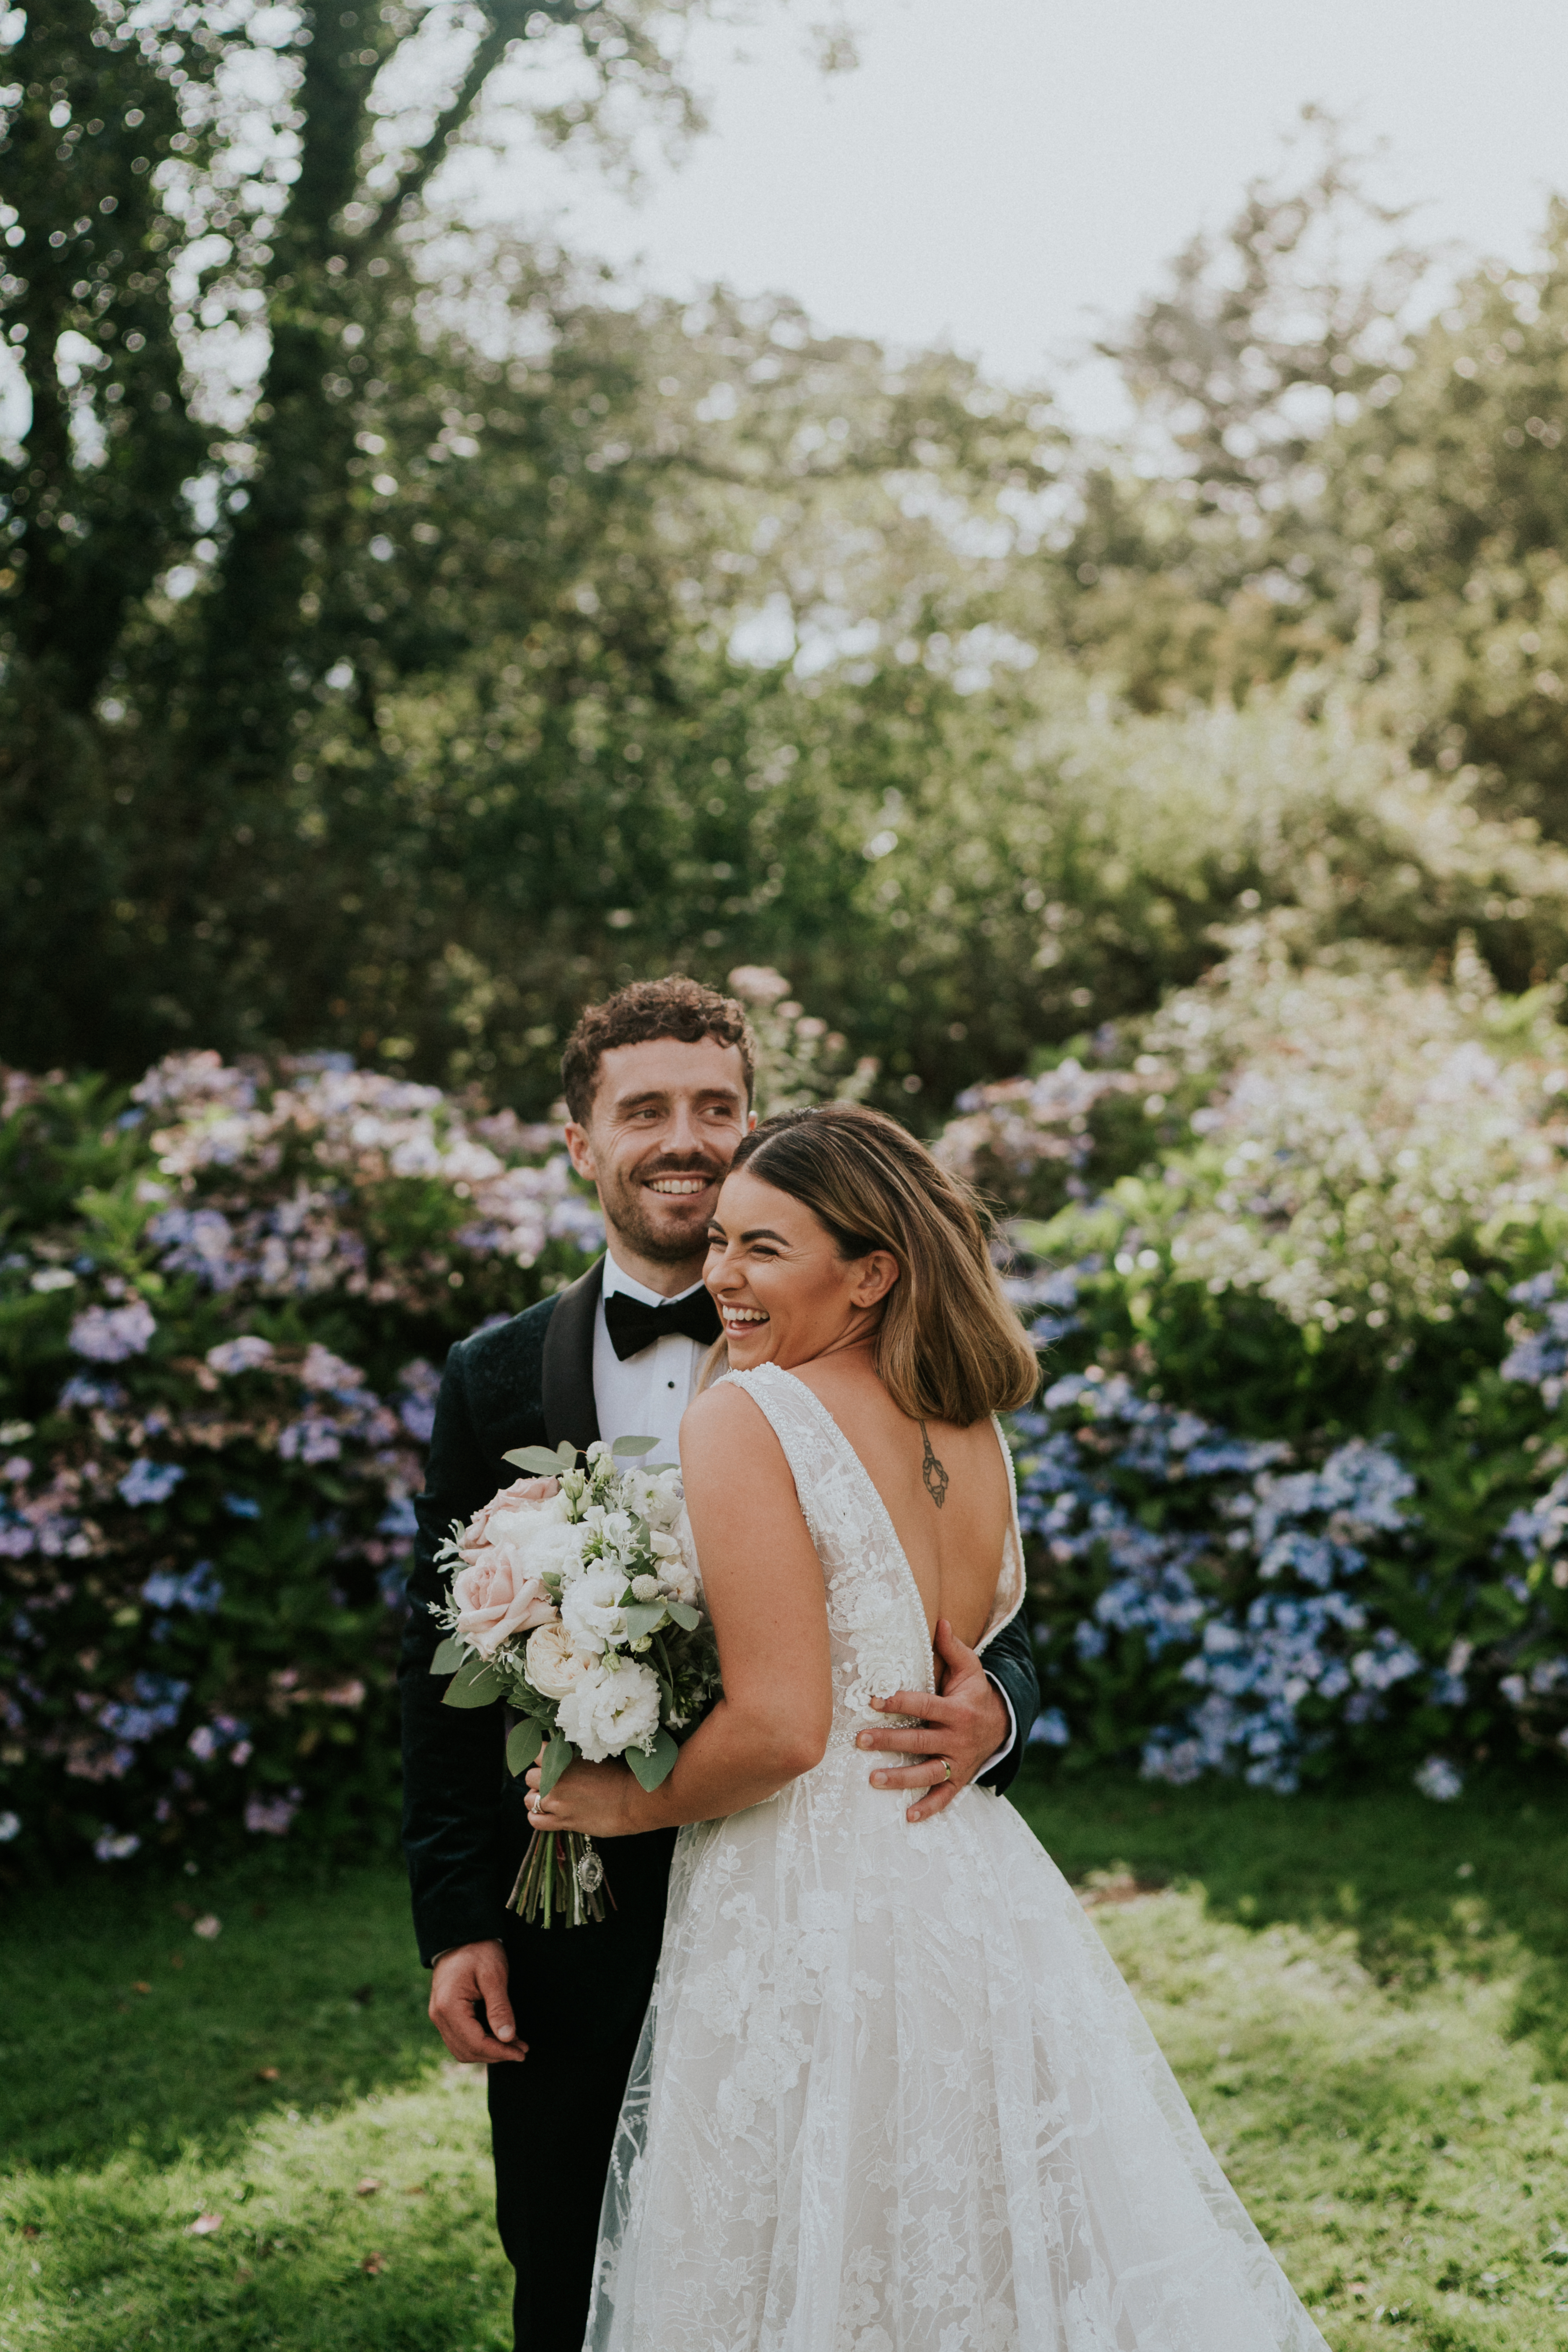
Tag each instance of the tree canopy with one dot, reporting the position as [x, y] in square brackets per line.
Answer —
[404, 637]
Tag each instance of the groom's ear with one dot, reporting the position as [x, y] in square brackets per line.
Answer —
[580, 1152]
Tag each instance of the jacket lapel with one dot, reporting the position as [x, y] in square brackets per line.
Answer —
[567, 1374]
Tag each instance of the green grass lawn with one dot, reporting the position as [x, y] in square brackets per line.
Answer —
[1366, 1997]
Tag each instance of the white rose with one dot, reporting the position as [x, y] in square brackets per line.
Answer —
[539, 1548]
[554, 1667]
[662, 1546]
[606, 1712]
[591, 1611]
[551, 1510]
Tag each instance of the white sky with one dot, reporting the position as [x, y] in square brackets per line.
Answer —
[999, 172]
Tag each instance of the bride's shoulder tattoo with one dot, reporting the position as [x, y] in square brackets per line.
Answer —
[931, 1471]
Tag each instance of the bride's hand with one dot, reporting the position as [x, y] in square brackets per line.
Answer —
[592, 1798]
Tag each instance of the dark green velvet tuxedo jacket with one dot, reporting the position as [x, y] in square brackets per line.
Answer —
[465, 1826]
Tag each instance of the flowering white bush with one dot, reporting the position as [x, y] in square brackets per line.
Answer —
[1362, 1130]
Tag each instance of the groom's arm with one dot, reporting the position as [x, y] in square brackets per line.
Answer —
[1009, 1662]
[452, 1757]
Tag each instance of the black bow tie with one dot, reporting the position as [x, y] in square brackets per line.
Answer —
[634, 1325]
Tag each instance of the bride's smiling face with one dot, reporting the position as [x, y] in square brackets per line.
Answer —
[784, 1293]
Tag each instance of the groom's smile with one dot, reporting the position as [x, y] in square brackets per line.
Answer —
[664, 1124]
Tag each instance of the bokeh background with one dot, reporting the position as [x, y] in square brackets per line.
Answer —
[1033, 546]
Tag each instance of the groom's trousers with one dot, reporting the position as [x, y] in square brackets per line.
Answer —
[578, 1995]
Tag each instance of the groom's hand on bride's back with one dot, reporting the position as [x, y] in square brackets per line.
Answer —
[965, 1725]
[468, 2005]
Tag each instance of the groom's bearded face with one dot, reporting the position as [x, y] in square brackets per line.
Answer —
[665, 1124]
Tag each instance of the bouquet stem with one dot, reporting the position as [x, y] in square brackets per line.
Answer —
[561, 1883]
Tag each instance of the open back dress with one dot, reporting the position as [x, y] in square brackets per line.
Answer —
[892, 2094]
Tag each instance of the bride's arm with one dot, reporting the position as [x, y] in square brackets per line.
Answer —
[763, 1583]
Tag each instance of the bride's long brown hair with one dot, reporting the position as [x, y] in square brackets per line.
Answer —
[949, 1347]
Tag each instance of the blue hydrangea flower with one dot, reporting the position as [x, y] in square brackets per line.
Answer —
[149, 1482]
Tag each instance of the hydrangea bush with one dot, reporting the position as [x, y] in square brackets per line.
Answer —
[1296, 1492]
[223, 1300]
[222, 1304]
[1297, 1486]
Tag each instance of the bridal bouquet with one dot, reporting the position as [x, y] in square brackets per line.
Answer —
[575, 1598]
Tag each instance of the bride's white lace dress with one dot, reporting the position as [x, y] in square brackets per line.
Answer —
[892, 2094]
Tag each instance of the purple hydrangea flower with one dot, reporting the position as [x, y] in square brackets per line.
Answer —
[266, 1817]
[243, 1355]
[108, 1335]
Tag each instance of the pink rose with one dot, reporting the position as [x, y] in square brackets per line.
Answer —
[495, 1600]
[521, 1490]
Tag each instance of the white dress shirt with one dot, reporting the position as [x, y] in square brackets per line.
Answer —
[646, 1395]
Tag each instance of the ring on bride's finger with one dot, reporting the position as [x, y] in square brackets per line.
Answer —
[947, 1770]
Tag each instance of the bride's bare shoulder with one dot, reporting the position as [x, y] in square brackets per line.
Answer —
[725, 1422]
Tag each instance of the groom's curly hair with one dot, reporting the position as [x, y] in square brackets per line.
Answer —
[673, 1007]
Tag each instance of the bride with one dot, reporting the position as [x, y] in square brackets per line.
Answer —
[891, 2094]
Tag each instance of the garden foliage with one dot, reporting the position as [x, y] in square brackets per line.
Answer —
[225, 1298]
[1295, 1491]
[1295, 1479]
[223, 1304]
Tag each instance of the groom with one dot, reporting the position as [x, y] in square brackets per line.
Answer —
[659, 1087]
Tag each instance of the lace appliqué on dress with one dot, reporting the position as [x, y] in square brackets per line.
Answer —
[892, 2094]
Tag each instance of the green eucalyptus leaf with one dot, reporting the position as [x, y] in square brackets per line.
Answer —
[631, 1447]
[524, 1743]
[474, 1684]
[538, 1461]
[643, 1617]
[448, 1657]
[653, 1769]
[557, 1755]
[684, 1615]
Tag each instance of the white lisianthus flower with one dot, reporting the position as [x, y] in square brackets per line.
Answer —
[656, 1497]
[605, 1713]
[591, 1609]
[554, 1667]
[616, 1530]
[678, 1569]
